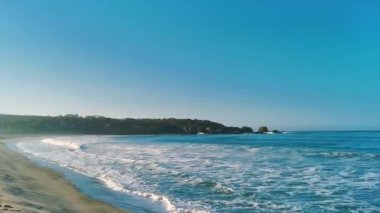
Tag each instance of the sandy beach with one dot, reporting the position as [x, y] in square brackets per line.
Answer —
[25, 187]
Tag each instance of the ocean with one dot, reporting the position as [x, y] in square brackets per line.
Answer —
[293, 172]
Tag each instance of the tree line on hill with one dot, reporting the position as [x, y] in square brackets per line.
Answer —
[98, 125]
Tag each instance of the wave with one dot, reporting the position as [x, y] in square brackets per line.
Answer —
[157, 198]
[165, 201]
[61, 142]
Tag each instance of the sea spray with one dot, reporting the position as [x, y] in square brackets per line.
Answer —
[61, 142]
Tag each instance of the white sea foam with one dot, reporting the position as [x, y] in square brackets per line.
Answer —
[61, 142]
[223, 189]
[158, 198]
[151, 196]
[111, 184]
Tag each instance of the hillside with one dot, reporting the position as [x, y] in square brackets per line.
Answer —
[74, 124]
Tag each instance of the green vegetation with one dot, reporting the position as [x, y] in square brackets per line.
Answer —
[74, 124]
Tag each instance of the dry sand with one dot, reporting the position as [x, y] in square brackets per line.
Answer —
[25, 187]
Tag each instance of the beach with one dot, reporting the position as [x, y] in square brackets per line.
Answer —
[25, 187]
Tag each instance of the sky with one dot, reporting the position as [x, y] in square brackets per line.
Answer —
[291, 65]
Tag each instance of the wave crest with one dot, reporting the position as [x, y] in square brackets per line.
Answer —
[157, 198]
[61, 142]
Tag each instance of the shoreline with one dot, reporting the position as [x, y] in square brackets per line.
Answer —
[27, 187]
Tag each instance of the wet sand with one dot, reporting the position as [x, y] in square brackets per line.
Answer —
[25, 187]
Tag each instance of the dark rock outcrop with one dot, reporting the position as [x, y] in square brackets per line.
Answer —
[263, 129]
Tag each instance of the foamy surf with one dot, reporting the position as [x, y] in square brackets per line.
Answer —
[163, 200]
[61, 142]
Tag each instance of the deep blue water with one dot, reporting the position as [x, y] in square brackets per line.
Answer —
[294, 172]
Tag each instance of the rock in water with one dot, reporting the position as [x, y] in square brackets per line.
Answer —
[263, 129]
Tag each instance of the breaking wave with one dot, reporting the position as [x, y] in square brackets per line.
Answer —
[61, 142]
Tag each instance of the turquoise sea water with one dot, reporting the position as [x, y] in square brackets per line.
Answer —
[293, 172]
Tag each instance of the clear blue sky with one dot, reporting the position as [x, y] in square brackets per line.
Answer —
[286, 64]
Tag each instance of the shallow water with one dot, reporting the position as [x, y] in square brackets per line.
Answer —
[294, 172]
